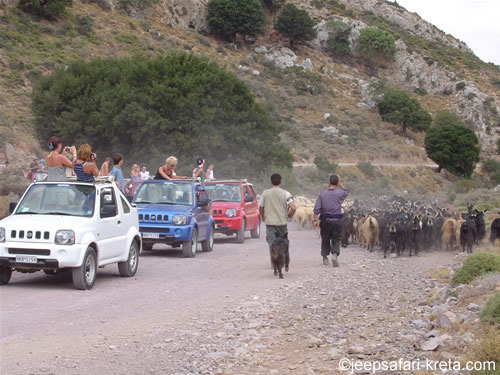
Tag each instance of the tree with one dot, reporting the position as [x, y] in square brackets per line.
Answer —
[295, 24]
[151, 108]
[50, 9]
[454, 148]
[338, 37]
[399, 108]
[273, 5]
[446, 117]
[231, 17]
[375, 41]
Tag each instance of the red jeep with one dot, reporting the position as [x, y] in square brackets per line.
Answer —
[234, 207]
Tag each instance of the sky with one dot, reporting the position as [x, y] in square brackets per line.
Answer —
[475, 22]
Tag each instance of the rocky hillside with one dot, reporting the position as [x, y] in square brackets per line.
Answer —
[326, 104]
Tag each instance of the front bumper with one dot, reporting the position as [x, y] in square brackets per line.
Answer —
[166, 233]
[227, 224]
[47, 255]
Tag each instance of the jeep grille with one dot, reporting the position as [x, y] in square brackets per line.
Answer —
[29, 235]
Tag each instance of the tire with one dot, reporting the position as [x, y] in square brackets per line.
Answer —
[255, 233]
[85, 275]
[147, 246]
[240, 235]
[5, 274]
[208, 244]
[189, 247]
[129, 267]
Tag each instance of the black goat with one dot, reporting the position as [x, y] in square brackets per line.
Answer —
[280, 255]
[495, 230]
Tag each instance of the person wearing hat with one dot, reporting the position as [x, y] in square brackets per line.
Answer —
[198, 170]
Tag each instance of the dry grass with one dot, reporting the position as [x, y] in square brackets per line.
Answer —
[442, 274]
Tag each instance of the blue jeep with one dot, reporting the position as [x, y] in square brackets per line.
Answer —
[176, 213]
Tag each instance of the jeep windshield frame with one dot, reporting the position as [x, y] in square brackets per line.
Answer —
[58, 199]
[177, 193]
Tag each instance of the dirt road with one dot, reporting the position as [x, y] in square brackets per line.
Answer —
[221, 313]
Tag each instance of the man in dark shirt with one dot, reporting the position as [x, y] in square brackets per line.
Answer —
[328, 207]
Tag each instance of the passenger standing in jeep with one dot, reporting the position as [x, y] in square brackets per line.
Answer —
[276, 206]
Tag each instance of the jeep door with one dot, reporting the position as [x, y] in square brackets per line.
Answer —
[250, 208]
[202, 216]
[112, 230]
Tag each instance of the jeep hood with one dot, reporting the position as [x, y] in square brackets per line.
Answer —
[225, 205]
[156, 208]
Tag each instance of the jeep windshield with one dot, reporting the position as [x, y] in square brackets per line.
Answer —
[58, 199]
[166, 192]
[224, 192]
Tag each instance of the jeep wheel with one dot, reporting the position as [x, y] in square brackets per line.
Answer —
[85, 275]
[208, 244]
[240, 235]
[5, 274]
[255, 233]
[189, 247]
[129, 267]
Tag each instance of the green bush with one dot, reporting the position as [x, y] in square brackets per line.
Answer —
[399, 108]
[492, 168]
[375, 41]
[85, 24]
[338, 38]
[367, 168]
[179, 104]
[454, 148]
[231, 17]
[460, 86]
[447, 118]
[324, 165]
[50, 9]
[491, 312]
[295, 24]
[476, 265]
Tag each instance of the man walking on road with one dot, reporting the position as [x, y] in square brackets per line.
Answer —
[275, 207]
[329, 208]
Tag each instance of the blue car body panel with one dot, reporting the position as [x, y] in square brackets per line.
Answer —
[156, 219]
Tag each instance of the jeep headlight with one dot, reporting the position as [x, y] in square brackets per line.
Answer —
[179, 219]
[2, 234]
[230, 212]
[65, 237]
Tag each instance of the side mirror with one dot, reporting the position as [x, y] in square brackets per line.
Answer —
[203, 201]
[12, 207]
[248, 198]
[109, 210]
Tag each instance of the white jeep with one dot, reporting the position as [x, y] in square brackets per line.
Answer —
[73, 226]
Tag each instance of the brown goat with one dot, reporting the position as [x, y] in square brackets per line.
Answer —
[448, 230]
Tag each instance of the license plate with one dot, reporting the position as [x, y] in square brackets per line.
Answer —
[151, 235]
[26, 259]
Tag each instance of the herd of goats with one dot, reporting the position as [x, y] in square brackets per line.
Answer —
[397, 225]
